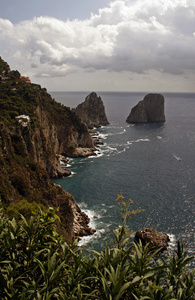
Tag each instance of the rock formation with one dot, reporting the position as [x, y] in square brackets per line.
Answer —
[92, 111]
[149, 110]
[155, 239]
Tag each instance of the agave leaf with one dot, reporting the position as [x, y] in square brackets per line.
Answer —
[43, 271]
[136, 279]
[150, 274]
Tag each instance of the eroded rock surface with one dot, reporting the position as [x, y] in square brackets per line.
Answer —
[149, 110]
[155, 239]
[92, 111]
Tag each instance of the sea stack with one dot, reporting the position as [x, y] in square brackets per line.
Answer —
[92, 111]
[149, 110]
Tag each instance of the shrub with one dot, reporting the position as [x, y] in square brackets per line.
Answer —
[37, 263]
[23, 207]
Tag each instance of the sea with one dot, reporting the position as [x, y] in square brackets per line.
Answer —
[152, 164]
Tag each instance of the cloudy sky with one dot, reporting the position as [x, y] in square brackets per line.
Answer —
[101, 45]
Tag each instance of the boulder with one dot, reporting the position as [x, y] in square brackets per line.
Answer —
[83, 152]
[92, 111]
[149, 110]
[155, 239]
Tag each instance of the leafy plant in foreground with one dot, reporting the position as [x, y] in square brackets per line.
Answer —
[37, 263]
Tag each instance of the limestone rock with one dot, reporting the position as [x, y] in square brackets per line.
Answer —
[155, 239]
[83, 152]
[149, 110]
[92, 111]
[48, 141]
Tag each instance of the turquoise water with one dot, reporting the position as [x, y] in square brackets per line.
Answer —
[153, 164]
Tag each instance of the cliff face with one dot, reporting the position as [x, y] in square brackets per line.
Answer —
[34, 130]
[92, 111]
[149, 110]
[57, 139]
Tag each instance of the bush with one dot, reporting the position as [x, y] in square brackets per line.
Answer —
[37, 263]
[23, 207]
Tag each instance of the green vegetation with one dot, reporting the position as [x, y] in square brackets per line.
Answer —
[37, 263]
[25, 208]
[19, 98]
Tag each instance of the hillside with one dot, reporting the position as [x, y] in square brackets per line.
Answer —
[34, 131]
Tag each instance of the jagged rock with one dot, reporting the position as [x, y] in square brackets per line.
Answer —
[60, 172]
[78, 225]
[149, 110]
[92, 111]
[50, 140]
[83, 152]
[155, 239]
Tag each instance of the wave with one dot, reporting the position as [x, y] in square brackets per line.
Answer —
[72, 174]
[90, 238]
[138, 140]
[97, 152]
[124, 130]
[103, 136]
[142, 140]
[68, 165]
[95, 222]
[172, 242]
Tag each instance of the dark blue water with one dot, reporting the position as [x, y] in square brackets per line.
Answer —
[153, 164]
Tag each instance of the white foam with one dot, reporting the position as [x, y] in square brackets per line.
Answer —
[123, 150]
[138, 140]
[142, 140]
[94, 222]
[97, 152]
[173, 241]
[83, 205]
[87, 239]
[121, 132]
[159, 137]
[103, 136]
[72, 174]
[68, 165]
[93, 216]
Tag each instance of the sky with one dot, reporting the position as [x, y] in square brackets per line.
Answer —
[101, 45]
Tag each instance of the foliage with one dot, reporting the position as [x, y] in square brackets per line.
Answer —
[19, 98]
[126, 214]
[37, 263]
[23, 207]
[125, 208]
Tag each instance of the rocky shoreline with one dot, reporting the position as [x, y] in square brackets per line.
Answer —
[35, 137]
[81, 221]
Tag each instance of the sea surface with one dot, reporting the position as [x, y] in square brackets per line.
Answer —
[153, 164]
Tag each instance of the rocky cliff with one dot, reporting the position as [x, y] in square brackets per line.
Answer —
[34, 131]
[92, 111]
[149, 110]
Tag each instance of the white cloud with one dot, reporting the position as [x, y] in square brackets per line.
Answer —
[129, 35]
